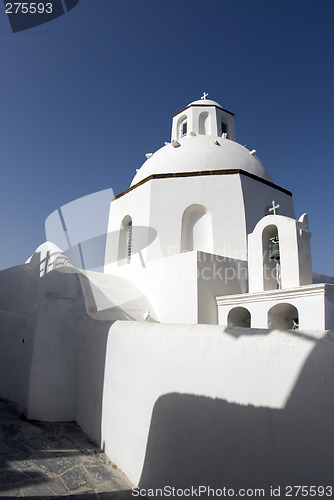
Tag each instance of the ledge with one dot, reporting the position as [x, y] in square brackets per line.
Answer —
[282, 294]
[203, 173]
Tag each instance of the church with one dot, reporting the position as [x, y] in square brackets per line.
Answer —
[209, 238]
[201, 353]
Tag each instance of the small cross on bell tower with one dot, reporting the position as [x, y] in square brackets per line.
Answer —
[274, 207]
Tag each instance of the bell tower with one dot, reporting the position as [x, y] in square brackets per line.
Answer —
[286, 263]
[203, 117]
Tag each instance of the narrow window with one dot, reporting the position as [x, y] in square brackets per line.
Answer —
[271, 258]
[129, 242]
[125, 241]
[183, 129]
[224, 128]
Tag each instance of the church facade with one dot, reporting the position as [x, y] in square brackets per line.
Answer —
[209, 238]
[187, 359]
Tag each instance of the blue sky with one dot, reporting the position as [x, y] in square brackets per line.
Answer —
[84, 97]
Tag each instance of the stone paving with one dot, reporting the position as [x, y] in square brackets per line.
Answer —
[41, 460]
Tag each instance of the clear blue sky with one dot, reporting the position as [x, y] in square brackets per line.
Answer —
[84, 97]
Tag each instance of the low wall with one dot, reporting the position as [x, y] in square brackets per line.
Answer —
[178, 405]
[16, 346]
[222, 406]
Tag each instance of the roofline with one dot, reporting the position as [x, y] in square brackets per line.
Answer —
[201, 105]
[203, 173]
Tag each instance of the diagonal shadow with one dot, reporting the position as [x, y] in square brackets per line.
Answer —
[195, 440]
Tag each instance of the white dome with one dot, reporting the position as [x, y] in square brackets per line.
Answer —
[198, 153]
[205, 102]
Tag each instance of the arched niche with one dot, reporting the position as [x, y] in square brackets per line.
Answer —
[239, 316]
[283, 317]
[223, 128]
[196, 229]
[204, 124]
[271, 261]
[182, 126]
[125, 241]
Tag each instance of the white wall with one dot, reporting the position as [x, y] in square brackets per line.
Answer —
[257, 199]
[16, 345]
[217, 276]
[182, 288]
[313, 303]
[234, 205]
[187, 404]
[180, 404]
[176, 404]
[170, 285]
[157, 207]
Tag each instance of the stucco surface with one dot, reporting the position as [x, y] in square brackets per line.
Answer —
[198, 153]
[174, 404]
[221, 405]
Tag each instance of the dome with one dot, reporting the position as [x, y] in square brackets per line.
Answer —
[200, 153]
[204, 102]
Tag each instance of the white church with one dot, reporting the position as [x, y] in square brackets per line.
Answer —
[209, 238]
[207, 326]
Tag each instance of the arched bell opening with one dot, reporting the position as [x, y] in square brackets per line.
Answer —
[283, 317]
[239, 316]
[271, 258]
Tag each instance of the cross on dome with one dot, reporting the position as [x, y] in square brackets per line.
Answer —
[274, 207]
[204, 96]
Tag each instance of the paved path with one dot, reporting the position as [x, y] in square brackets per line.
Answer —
[41, 460]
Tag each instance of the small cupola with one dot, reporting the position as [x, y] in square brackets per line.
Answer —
[203, 117]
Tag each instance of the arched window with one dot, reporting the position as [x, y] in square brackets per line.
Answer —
[283, 317]
[182, 126]
[224, 128]
[129, 243]
[271, 258]
[125, 241]
[239, 316]
[196, 229]
[204, 123]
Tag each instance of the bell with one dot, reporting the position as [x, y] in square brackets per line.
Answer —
[274, 254]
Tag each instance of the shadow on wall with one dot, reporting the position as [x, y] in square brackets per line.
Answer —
[17, 311]
[196, 440]
[49, 317]
[43, 325]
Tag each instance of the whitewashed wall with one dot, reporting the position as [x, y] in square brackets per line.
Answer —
[182, 404]
[175, 404]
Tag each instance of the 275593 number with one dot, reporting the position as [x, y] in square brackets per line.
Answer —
[308, 491]
[28, 8]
